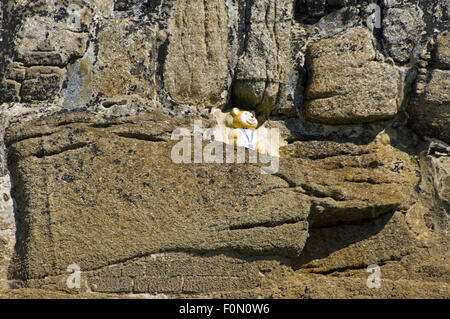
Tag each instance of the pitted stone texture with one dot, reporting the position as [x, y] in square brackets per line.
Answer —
[438, 163]
[441, 53]
[352, 183]
[42, 41]
[42, 50]
[429, 108]
[185, 273]
[196, 66]
[263, 66]
[42, 83]
[358, 199]
[124, 63]
[95, 193]
[340, 286]
[402, 28]
[340, 247]
[345, 84]
[7, 228]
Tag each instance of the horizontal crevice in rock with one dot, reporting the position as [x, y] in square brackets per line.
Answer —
[64, 123]
[141, 136]
[94, 125]
[107, 125]
[286, 179]
[347, 268]
[72, 147]
[9, 142]
[362, 266]
[336, 270]
[108, 104]
[365, 181]
[348, 216]
[265, 80]
[26, 64]
[265, 224]
[195, 252]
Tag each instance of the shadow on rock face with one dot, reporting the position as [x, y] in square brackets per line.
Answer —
[325, 241]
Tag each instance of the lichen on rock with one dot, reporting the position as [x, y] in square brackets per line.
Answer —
[92, 93]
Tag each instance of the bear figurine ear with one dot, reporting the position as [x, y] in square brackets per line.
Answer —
[235, 111]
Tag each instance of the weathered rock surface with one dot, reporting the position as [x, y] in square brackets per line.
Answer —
[134, 206]
[262, 68]
[40, 40]
[402, 27]
[441, 53]
[91, 91]
[429, 108]
[196, 67]
[346, 84]
[100, 204]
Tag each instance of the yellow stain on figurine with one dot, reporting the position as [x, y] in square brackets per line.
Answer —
[244, 132]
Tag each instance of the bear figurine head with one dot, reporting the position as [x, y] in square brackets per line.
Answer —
[243, 119]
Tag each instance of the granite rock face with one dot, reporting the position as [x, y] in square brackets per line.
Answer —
[196, 69]
[109, 192]
[136, 200]
[346, 84]
[91, 93]
[430, 104]
[402, 28]
[262, 69]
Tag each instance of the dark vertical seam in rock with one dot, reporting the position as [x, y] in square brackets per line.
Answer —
[263, 96]
[205, 28]
[241, 40]
[274, 30]
[247, 23]
[230, 39]
[161, 56]
[279, 68]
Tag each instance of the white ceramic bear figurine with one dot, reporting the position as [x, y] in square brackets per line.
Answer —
[244, 133]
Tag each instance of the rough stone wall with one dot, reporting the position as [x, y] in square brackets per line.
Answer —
[90, 92]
